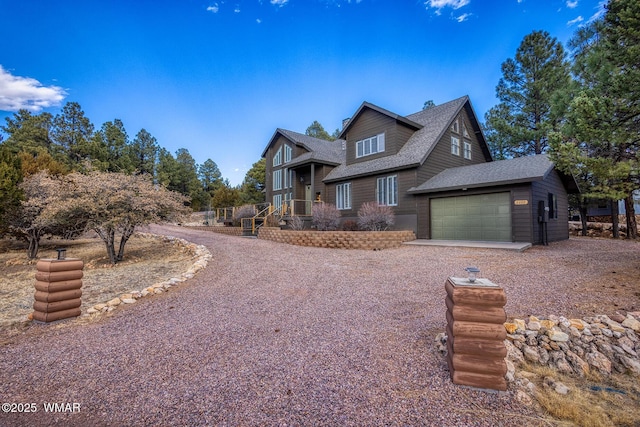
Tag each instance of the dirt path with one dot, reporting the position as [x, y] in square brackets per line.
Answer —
[271, 334]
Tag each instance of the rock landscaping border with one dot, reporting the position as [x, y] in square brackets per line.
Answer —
[201, 255]
[602, 344]
[368, 240]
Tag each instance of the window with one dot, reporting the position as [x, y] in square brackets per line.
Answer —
[455, 146]
[287, 153]
[553, 206]
[290, 173]
[277, 179]
[454, 126]
[277, 158]
[464, 131]
[369, 146]
[287, 176]
[343, 196]
[387, 190]
[277, 201]
[467, 150]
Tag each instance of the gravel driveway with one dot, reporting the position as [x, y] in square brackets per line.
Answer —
[279, 335]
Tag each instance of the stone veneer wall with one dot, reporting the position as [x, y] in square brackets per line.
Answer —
[369, 240]
[229, 231]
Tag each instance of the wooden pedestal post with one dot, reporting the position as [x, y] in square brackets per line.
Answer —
[58, 292]
[476, 333]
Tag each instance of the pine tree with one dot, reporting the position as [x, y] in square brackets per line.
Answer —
[528, 91]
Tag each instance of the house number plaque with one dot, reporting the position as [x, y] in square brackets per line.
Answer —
[521, 202]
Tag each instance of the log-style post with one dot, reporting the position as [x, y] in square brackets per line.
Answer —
[476, 333]
[58, 283]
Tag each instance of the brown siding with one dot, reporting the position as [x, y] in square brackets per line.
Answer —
[441, 157]
[271, 151]
[370, 123]
[557, 229]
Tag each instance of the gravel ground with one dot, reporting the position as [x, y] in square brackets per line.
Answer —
[279, 335]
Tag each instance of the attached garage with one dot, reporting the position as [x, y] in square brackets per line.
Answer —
[496, 201]
[485, 217]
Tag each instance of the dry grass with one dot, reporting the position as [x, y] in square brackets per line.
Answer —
[147, 261]
[593, 401]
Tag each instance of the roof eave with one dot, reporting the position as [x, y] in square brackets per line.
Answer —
[376, 172]
[415, 190]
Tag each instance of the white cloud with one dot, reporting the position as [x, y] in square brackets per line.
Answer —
[279, 3]
[26, 93]
[571, 4]
[440, 4]
[575, 21]
[463, 17]
[215, 8]
[601, 10]
[237, 9]
[259, 21]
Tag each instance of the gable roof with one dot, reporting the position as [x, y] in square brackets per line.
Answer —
[320, 150]
[433, 123]
[367, 105]
[500, 172]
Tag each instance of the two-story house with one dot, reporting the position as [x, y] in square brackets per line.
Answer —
[433, 167]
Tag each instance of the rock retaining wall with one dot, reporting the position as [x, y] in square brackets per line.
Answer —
[229, 231]
[577, 346]
[601, 344]
[369, 240]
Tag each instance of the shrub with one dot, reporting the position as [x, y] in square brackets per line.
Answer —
[272, 221]
[375, 217]
[246, 211]
[325, 217]
[296, 223]
[350, 225]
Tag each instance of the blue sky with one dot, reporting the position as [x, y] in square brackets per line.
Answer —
[218, 77]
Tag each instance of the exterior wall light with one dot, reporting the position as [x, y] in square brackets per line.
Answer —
[62, 253]
[473, 273]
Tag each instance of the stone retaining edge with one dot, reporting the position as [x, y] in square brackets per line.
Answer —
[367, 240]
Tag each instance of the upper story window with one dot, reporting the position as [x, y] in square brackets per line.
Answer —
[287, 153]
[277, 179]
[467, 150]
[455, 146]
[372, 145]
[455, 127]
[465, 132]
[277, 158]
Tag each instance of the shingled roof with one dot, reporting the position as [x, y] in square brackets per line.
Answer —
[320, 150]
[500, 172]
[434, 122]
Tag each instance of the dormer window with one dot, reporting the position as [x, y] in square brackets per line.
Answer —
[277, 158]
[369, 146]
